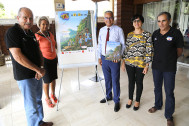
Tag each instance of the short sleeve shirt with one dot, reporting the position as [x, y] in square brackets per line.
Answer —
[47, 45]
[16, 38]
[165, 49]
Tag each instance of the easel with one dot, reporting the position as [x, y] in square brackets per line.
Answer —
[97, 75]
[79, 86]
[95, 78]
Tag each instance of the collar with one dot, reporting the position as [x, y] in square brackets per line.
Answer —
[110, 27]
[22, 30]
[166, 32]
[42, 34]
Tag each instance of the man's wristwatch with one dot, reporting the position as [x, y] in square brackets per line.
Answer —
[42, 66]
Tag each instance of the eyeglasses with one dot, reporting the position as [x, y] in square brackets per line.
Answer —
[110, 18]
[136, 21]
[161, 21]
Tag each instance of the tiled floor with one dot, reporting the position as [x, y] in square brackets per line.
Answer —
[82, 107]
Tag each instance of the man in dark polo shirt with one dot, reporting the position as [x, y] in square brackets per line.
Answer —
[26, 60]
[168, 46]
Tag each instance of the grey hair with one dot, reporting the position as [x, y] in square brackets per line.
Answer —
[21, 10]
[109, 12]
[43, 18]
[167, 14]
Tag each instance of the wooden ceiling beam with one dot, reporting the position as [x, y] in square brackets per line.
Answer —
[145, 1]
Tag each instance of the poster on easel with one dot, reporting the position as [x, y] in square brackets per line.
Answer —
[76, 38]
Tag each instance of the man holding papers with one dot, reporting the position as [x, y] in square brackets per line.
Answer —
[111, 69]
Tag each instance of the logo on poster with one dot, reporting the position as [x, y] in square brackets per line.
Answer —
[65, 16]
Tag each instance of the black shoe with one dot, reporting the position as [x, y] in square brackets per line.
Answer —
[128, 106]
[135, 108]
[170, 122]
[116, 107]
[104, 100]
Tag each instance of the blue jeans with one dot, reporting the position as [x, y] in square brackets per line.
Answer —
[31, 89]
[169, 86]
[111, 72]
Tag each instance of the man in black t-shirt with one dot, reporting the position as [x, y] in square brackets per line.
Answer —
[168, 46]
[26, 59]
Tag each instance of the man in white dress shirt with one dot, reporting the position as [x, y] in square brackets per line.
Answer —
[111, 69]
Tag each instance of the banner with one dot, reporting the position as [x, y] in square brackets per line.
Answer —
[76, 38]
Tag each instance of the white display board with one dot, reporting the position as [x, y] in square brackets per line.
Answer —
[76, 38]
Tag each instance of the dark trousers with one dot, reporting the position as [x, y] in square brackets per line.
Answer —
[169, 86]
[135, 75]
[111, 72]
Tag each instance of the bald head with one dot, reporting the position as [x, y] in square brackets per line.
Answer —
[25, 18]
[23, 9]
[109, 18]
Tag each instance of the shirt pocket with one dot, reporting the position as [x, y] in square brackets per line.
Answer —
[114, 37]
[169, 43]
[29, 44]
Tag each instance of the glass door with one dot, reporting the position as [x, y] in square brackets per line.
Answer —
[184, 28]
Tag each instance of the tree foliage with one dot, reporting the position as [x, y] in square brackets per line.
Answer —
[4, 15]
[75, 36]
[2, 10]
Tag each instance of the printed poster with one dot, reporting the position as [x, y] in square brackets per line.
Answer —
[76, 38]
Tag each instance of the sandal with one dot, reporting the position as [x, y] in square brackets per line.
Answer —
[152, 110]
[49, 103]
[54, 98]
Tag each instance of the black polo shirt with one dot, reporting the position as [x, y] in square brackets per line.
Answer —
[165, 49]
[16, 38]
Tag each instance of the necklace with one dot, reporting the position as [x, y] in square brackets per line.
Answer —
[29, 35]
[49, 39]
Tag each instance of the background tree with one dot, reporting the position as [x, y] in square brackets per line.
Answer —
[2, 10]
[4, 15]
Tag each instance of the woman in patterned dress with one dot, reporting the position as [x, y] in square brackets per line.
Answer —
[136, 58]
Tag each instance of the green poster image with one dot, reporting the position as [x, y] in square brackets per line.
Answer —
[76, 38]
[76, 26]
[113, 51]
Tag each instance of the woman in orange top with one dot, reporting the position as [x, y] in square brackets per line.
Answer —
[47, 46]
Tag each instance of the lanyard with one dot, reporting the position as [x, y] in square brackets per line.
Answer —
[29, 35]
[49, 39]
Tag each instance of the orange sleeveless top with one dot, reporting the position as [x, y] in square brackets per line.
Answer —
[48, 52]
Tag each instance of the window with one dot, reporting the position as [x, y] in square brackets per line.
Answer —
[179, 11]
[151, 11]
[184, 27]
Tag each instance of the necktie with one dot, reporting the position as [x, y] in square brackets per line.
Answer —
[107, 38]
